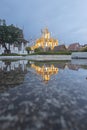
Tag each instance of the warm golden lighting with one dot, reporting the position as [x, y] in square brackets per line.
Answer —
[45, 41]
[45, 71]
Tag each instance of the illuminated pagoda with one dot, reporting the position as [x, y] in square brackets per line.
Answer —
[45, 71]
[46, 41]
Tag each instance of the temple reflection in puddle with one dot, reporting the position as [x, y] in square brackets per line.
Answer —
[12, 73]
[46, 71]
[8, 65]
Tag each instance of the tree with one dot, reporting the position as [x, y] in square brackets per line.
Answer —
[11, 35]
[28, 49]
[39, 49]
[84, 49]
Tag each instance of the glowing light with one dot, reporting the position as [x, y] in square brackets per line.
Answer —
[45, 41]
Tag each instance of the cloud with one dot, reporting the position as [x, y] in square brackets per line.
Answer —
[65, 19]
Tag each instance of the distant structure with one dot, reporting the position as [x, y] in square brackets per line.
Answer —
[15, 48]
[74, 47]
[60, 48]
[46, 41]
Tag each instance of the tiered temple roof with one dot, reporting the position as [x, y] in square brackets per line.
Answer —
[46, 41]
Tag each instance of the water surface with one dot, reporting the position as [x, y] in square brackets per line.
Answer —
[43, 95]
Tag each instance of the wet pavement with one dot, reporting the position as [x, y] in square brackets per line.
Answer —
[43, 95]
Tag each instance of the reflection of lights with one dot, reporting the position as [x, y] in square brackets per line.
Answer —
[45, 71]
[46, 77]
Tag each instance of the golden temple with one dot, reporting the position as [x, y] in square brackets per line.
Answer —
[45, 71]
[46, 41]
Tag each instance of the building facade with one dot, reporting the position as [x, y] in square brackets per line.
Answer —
[74, 47]
[45, 41]
[17, 49]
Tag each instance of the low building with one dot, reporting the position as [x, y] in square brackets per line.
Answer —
[15, 48]
[74, 47]
[60, 48]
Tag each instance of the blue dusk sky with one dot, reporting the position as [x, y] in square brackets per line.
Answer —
[65, 19]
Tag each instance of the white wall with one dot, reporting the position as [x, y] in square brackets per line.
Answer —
[15, 49]
[79, 55]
